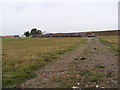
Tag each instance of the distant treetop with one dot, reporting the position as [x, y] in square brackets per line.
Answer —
[33, 31]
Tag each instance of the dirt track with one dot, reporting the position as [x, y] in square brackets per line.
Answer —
[98, 69]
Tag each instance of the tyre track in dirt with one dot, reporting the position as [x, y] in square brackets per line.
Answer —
[65, 71]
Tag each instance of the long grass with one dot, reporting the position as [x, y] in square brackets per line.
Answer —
[22, 56]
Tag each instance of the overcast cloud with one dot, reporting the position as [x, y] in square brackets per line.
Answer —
[58, 15]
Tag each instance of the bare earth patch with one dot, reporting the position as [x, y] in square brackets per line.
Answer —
[89, 65]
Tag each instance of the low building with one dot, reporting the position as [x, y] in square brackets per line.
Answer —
[11, 36]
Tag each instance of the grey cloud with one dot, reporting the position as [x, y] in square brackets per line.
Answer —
[58, 17]
[22, 5]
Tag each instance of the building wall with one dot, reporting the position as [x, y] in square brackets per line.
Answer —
[12, 36]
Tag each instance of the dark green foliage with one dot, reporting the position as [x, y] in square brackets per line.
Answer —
[80, 58]
[27, 34]
[33, 31]
[39, 32]
[100, 66]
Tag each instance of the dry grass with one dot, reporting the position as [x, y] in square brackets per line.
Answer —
[23, 55]
[111, 42]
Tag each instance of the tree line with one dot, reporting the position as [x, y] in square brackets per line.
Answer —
[33, 31]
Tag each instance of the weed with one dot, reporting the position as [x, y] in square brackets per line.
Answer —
[76, 58]
[112, 64]
[95, 48]
[80, 58]
[100, 66]
[85, 72]
[109, 74]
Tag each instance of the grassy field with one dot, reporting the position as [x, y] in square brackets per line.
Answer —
[22, 56]
[111, 42]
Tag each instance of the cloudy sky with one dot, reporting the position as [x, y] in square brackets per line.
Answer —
[54, 16]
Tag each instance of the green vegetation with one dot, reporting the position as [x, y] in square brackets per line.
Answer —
[85, 72]
[95, 48]
[109, 74]
[64, 82]
[111, 42]
[24, 55]
[94, 78]
[100, 66]
[33, 31]
[80, 58]
[86, 77]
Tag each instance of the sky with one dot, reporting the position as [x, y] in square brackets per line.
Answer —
[57, 16]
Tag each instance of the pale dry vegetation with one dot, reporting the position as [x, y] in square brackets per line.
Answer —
[111, 42]
[22, 56]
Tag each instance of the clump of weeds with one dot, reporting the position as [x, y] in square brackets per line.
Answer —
[80, 58]
[100, 66]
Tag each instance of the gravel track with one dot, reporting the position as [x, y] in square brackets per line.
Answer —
[94, 52]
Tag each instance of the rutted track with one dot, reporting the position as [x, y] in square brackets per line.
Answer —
[68, 70]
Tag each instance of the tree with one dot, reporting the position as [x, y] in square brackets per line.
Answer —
[27, 34]
[39, 32]
[33, 31]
